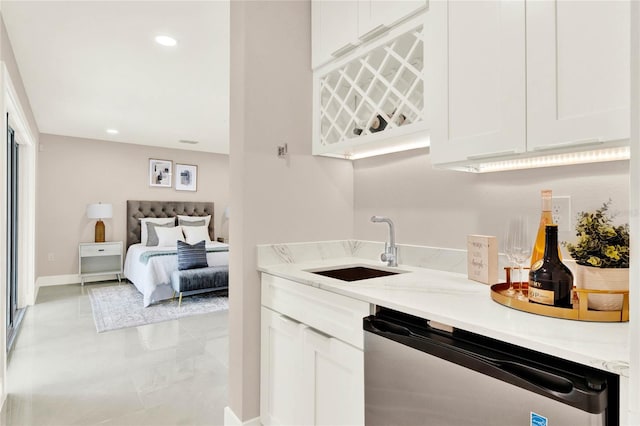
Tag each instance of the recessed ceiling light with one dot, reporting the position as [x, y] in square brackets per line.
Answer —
[112, 131]
[166, 40]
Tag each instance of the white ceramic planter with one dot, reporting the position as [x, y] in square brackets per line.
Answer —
[592, 278]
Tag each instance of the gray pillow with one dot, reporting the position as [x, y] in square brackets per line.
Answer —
[192, 256]
[152, 235]
[191, 222]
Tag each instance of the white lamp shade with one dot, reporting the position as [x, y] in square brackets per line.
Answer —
[99, 211]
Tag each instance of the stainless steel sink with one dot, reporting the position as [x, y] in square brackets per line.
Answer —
[355, 273]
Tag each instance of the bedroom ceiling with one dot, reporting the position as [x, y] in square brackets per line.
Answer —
[89, 66]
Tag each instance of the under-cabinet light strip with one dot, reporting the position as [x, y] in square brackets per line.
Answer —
[565, 159]
[423, 143]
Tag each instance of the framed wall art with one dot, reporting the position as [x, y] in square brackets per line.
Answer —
[186, 177]
[160, 173]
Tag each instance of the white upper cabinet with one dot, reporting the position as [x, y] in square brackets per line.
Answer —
[369, 94]
[373, 100]
[338, 26]
[334, 29]
[523, 78]
[476, 79]
[376, 16]
[577, 72]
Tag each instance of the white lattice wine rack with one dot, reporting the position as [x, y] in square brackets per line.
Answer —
[385, 84]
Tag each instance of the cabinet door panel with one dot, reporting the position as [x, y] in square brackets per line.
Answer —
[333, 381]
[577, 72]
[280, 360]
[375, 15]
[476, 79]
[334, 29]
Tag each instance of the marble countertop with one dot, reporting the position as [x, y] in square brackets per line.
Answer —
[450, 298]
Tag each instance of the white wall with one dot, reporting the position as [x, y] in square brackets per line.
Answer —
[440, 207]
[273, 200]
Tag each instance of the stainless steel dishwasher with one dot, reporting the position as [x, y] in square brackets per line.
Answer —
[420, 374]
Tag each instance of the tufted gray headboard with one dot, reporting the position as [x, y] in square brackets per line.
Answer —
[137, 209]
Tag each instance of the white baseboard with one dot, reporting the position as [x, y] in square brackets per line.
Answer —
[230, 419]
[50, 280]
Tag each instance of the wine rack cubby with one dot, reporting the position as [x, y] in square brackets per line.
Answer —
[377, 92]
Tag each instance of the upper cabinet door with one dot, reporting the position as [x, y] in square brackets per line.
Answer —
[577, 72]
[476, 79]
[376, 16]
[334, 29]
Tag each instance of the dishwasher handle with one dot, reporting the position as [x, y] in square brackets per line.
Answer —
[546, 380]
[515, 372]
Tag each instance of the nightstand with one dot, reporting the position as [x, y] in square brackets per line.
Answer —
[100, 259]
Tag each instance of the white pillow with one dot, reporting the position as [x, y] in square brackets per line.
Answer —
[195, 234]
[207, 219]
[168, 237]
[158, 220]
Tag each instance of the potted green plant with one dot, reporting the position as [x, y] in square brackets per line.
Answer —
[602, 256]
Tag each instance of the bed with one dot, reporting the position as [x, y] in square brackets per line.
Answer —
[149, 268]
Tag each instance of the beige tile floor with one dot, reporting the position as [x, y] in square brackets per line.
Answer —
[61, 372]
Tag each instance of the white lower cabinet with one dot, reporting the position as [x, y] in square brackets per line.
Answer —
[308, 375]
[280, 366]
[332, 381]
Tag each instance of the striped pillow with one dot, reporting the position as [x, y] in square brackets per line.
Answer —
[192, 256]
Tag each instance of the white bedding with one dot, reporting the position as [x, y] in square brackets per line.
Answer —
[153, 279]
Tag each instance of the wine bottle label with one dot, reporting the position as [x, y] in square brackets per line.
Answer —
[541, 296]
[537, 265]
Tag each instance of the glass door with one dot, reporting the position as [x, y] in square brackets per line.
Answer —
[12, 234]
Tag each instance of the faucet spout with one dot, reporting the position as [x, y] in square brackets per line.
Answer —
[390, 254]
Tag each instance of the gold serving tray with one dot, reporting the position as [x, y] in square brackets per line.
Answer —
[580, 311]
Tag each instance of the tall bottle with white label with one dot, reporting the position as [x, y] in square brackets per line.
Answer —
[550, 281]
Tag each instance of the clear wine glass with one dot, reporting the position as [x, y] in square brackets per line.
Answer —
[509, 248]
[520, 247]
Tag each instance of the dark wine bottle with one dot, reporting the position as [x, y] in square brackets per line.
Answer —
[550, 281]
[378, 124]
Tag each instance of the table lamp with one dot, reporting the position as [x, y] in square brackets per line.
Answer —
[99, 211]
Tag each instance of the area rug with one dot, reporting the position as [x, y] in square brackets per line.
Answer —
[121, 306]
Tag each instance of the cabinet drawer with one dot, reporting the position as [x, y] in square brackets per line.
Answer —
[336, 315]
[100, 250]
